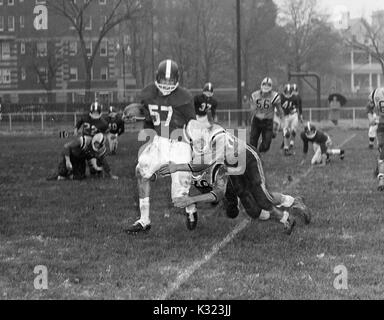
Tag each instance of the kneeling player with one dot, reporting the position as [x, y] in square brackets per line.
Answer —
[321, 145]
[224, 165]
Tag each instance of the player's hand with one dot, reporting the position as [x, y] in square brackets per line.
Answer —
[182, 202]
[68, 164]
[168, 169]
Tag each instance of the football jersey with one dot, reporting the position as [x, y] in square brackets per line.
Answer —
[92, 126]
[205, 105]
[376, 103]
[82, 148]
[116, 125]
[168, 112]
[320, 138]
[263, 105]
[290, 105]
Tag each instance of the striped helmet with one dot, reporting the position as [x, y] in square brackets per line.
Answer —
[167, 77]
[266, 85]
[208, 89]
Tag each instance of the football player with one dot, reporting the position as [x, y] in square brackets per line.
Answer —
[77, 152]
[91, 123]
[376, 104]
[263, 104]
[292, 112]
[167, 109]
[222, 162]
[373, 125]
[116, 129]
[206, 104]
[322, 144]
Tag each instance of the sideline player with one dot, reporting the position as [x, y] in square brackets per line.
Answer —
[167, 109]
[220, 161]
[376, 104]
[263, 104]
[206, 104]
[91, 123]
[116, 129]
[322, 144]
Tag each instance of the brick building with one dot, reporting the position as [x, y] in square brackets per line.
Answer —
[41, 60]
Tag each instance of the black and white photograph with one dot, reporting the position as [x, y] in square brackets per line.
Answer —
[192, 154]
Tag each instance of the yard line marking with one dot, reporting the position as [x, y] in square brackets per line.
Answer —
[187, 273]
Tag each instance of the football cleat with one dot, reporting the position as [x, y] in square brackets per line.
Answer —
[381, 184]
[300, 209]
[287, 153]
[232, 211]
[137, 227]
[289, 225]
[191, 220]
[342, 154]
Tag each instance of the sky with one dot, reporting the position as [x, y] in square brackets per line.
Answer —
[357, 8]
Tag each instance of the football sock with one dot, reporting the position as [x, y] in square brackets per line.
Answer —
[285, 217]
[334, 151]
[144, 211]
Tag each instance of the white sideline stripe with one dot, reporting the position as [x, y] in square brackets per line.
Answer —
[187, 273]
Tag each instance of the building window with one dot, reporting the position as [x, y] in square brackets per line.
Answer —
[22, 48]
[73, 48]
[5, 51]
[73, 74]
[88, 48]
[104, 48]
[11, 2]
[104, 73]
[23, 74]
[103, 2]
[41, 49]
[11, 23]
[88, 23]
[22, 22]
[42, 76]
[5, 76]
[1, 23]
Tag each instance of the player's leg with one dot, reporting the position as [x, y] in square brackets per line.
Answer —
[231, 202]
[152, 157]
[276, 126]
[334, 151]
[255, 132]
[286, 134]
[267, 134]
[316, 159]
[79, 168]
[372, 135]
[112, 140]
[380, 162]
[62, 172]
[293, 125]
[180, 152]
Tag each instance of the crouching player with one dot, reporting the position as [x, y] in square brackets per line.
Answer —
[116, 129]
[376, 104]
[224, 166]
[321, 146]
[75, 155]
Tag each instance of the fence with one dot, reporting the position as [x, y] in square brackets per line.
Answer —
[231, 118]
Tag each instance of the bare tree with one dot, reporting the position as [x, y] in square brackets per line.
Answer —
[77, 13]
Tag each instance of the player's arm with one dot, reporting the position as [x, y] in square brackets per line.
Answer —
[121, 127]
[213, 110]
[276, 104]
[370, 108]
[216, 195]
[300, 107]
[172, 167]
[76, 143]
[78, 125]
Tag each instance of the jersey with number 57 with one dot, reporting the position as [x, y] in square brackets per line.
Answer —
[263, 104]
[376, 103]
[168, 112]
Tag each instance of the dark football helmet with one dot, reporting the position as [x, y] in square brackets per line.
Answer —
[295, 89]
[112, 112]
[310, 130]
[208, 89]
[288, 91]
[167, 77]
[95, 111]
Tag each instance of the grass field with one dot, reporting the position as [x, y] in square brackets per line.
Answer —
[74, 229]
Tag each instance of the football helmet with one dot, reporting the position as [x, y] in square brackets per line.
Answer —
[310, 130]
[208, 89]
[295, 89]
[288, 91]
[266, 85]
[112, 112]
[95, 110]
[98, 143]
[167, 77]
[134, 112]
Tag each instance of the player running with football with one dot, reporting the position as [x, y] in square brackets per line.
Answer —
[322, 144]
[264, 103]
[292, 112]
[116, 129]
[221, 162]
[166, 108]
[376, 105]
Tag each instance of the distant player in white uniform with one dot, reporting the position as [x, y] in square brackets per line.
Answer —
[263, 103]
[166, 109]
[376, 105]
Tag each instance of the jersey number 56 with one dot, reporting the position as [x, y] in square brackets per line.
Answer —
[156, 113]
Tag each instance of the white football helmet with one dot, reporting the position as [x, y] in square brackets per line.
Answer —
[266, 85]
